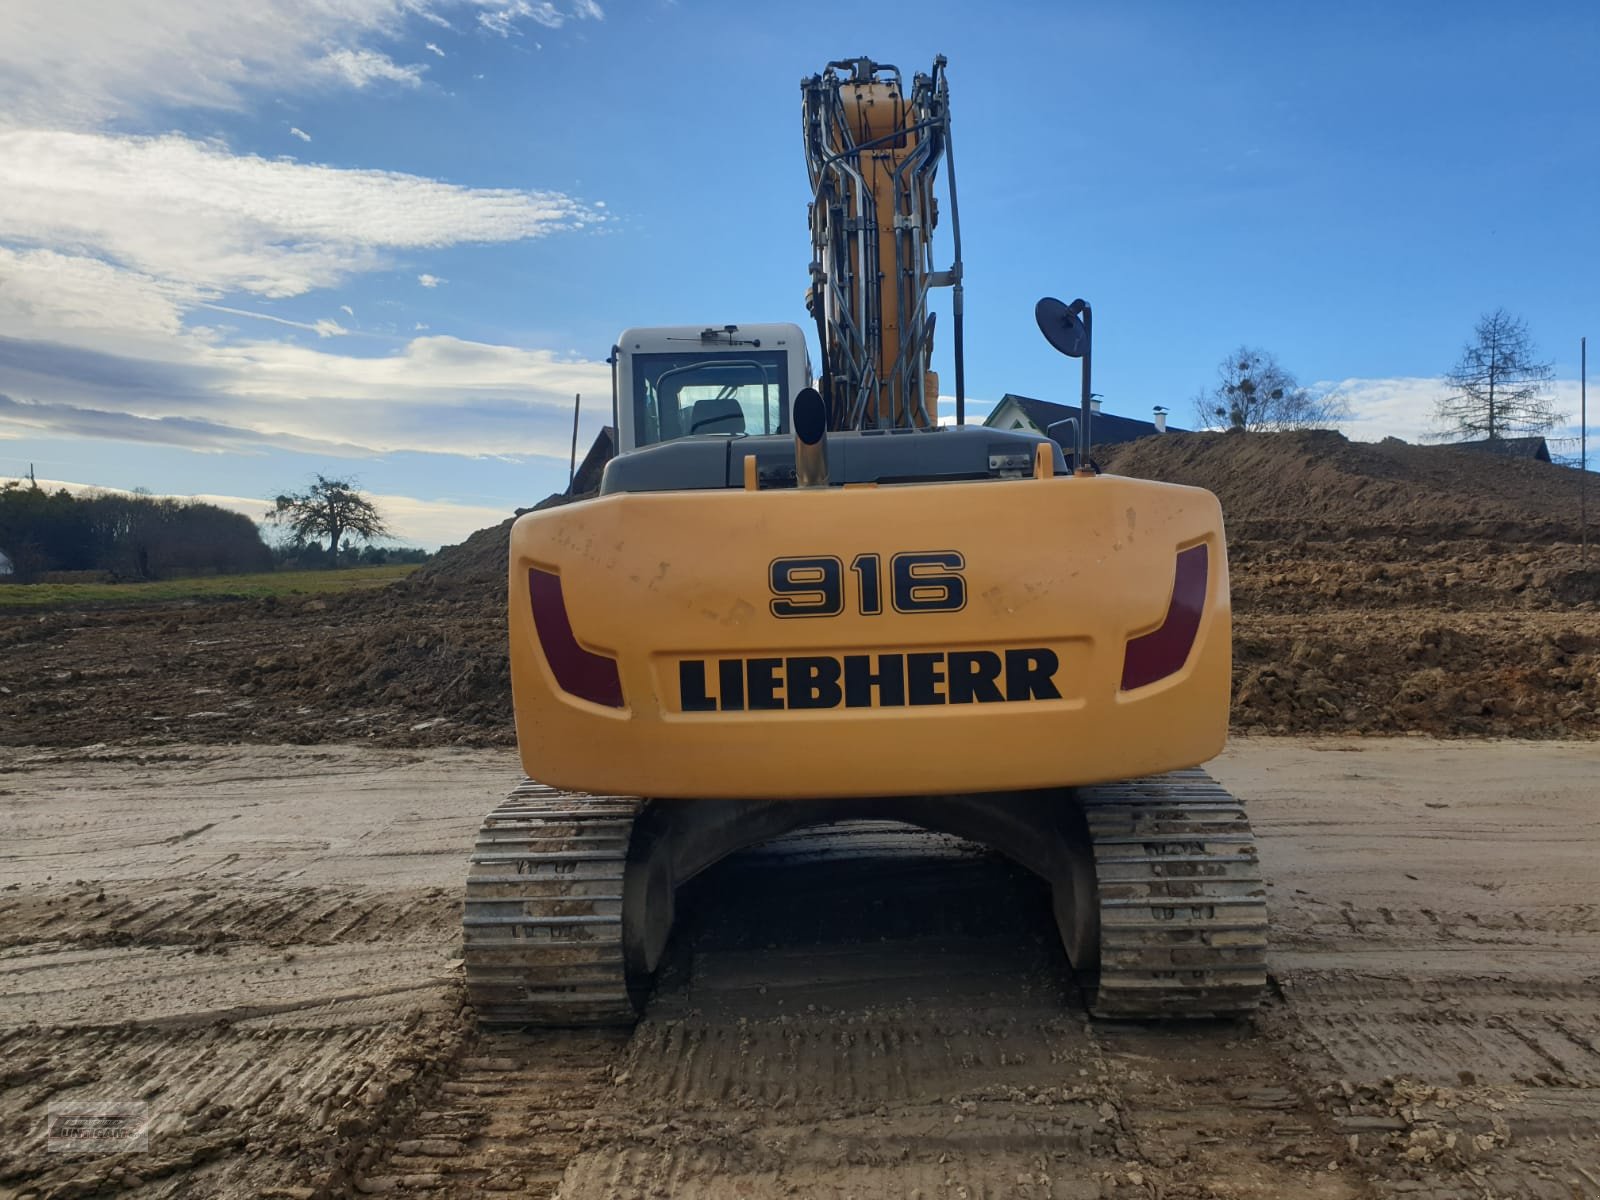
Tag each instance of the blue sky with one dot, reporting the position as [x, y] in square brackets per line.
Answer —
[242, 242]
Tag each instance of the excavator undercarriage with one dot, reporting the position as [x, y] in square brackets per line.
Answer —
[1155, 887]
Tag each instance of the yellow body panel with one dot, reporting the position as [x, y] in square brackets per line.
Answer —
[1078, 565]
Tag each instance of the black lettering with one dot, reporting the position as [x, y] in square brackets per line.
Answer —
[812, 682]
[972, 676]
[692, 687]
[815, 587]
[1030, 674]
[920, 585]
[924, 673]
[764, 684]
[730, 682]
[860, 680]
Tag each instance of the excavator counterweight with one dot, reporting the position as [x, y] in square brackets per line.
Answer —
[798, 599]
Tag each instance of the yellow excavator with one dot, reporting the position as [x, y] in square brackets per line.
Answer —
[799, 599]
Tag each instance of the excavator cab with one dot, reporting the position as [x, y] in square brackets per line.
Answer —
[684, 381]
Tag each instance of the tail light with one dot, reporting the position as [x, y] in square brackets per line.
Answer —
[578, 672]
[1162, 652]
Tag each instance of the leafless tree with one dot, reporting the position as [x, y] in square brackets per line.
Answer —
[1254, 392]
[330, 508]
[1499, 386]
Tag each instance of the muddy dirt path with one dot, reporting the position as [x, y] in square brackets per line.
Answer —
[259, 945]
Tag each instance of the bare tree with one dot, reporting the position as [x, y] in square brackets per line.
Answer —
[1498, 387]
[330, 508]
[1254, 392]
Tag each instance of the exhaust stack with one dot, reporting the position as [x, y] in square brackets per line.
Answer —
[810, 419]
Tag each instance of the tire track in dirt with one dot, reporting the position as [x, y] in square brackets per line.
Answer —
[153, 913]
[1439, 955]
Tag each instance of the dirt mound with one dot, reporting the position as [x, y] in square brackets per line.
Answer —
[481, 559]
[1317, 483]
[484, 558]
[1376, 589]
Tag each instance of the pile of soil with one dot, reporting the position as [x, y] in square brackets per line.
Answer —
[1380, 588]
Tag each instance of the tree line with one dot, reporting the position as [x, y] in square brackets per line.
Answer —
[140, 537]
[125, 536]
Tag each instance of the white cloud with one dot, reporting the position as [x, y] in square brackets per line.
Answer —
[347, 311]
[296, 131]
[101, 60]
[433, 46]
[322, 327]
[188, 211]
[430, 281]
[362, 68]
[64, 296]
[502, 18]
[976, 410]
[437, 394]
[1404, 407]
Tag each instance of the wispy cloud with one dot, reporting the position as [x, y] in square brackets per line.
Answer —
[433, 46]
[114, 58]
[502, 18]
[1405, 407]
[430, 281]
[178, 209]
[322, 327]
[437, 394]
[362, 68]
[296, 131]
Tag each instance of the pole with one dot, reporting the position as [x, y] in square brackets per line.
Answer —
[572, 469]
[1082, 465]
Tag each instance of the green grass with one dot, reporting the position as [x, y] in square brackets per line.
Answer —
[213, 587]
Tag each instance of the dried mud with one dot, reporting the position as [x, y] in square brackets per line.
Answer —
[261, 946]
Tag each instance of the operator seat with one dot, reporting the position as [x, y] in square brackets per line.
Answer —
[720, 414]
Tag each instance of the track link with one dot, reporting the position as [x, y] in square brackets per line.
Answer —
[542, 925]
[1183, 911]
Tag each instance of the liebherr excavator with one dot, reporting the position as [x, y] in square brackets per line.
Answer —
[798, 600]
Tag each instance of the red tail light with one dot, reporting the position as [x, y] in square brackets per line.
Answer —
[1163, 652]
[578, 672]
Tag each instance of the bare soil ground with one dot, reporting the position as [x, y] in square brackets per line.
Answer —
[260, 944]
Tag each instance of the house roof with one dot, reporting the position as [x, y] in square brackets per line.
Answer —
[1517, 447]
[1104, 427]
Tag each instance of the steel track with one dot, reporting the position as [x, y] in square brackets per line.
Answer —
[1183, 911]
[543, 919]
[1181, 905]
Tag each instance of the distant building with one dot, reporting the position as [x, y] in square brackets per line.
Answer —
[1517, 447]
[5, 564]
[1036, 416]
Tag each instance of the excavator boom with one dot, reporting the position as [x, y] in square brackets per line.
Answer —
[873, 153]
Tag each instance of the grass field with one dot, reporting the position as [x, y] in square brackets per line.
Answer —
[215, 587]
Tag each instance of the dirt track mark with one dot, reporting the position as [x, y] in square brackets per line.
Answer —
[883, 1013]
[233, 1109]
[161, 914]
